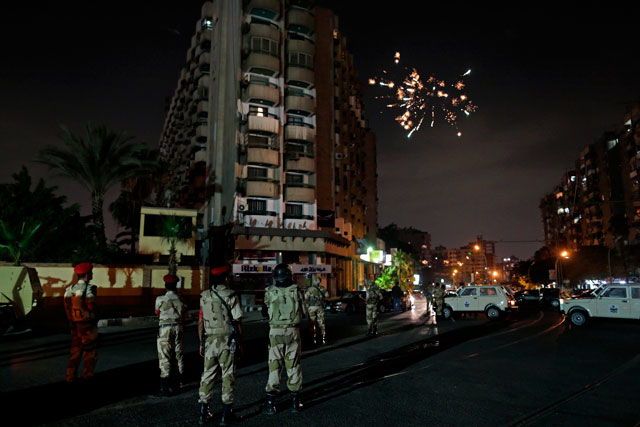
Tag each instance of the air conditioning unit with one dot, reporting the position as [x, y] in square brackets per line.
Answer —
[339, 156]
[241, 207]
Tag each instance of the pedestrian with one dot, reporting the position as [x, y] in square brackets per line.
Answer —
[372, 299]
[396, 293]
[220, 332]
[80, 307]
[315, 297]
[172, 314]
[439, 297]
[427, 291]
[286, 308]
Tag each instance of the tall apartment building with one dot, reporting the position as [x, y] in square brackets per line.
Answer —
[266, 132]
[599, 201]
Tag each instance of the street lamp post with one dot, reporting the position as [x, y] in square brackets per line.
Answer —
[565, 255]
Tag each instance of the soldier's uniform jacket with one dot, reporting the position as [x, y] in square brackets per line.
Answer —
[286, 306]
[374, 294]
[315, 295]
[79, 302]
[439, 293]
[216, 317]
[171, 309]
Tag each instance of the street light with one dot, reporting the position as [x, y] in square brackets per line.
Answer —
[565, 255]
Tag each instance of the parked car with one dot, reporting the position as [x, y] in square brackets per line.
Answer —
[351, 302]
[608, 301]
[527, 296]
[551, 297]
[492, 300]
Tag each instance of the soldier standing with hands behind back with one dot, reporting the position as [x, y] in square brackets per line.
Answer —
[80, 307]
[220, 335]
[172, 313]
[286, 307]
[315, 296]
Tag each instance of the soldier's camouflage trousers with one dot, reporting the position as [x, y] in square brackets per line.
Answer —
[316, 315]
[170, 342]
[284, 351]
[84, 341]
[440, 303]
[372, 315]
[217, 354]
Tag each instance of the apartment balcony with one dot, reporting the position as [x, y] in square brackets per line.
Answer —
[257, 188]
[200, 156]
[299, 193]
[300, 133]
[264, 123]
[303, 105]
[265, 31]
[257, 61]
[297, 163]
[301, 21]
[262, 94]
[202, 133]
[300, 76]
[203, 82]
[263, 156]
[301, 46]
[269, 9]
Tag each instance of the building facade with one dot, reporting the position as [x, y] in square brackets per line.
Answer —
[266, 136]
[598, 202]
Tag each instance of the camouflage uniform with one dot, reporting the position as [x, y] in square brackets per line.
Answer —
[439, 297]
[286, 308]
[373, 298]
[80, 305]
[172, 313]
[427, 290]
[218, 353]
[315, 296]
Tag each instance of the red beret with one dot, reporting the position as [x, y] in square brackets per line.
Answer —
[171, 278]
[220, 270]
[83, 268]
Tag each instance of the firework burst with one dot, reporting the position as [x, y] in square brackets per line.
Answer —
[424, 100]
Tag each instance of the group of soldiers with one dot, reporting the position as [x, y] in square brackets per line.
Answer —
[220, 331]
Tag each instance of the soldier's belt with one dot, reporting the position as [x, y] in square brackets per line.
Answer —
[162, 325]
[284, 326]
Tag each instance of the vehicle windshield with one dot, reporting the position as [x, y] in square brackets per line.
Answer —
[598, 291]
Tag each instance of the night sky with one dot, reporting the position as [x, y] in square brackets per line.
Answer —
[548, 79]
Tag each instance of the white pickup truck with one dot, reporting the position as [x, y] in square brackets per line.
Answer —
[608, 301]
[495, 301]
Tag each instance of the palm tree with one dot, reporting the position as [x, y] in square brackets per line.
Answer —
[17, 242]
[96, 161]
[173, 230]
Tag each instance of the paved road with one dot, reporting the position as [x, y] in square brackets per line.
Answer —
[530, 369]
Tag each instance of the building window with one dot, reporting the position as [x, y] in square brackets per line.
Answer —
[294, 178]
[207, 24]
[293, 210]
[257, 205]
[300, 59]
[254, 172]
[262, 45]
[258, 111]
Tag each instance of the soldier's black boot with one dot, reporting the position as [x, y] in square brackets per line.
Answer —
[375, 331]
[297, 404]
[165, 389]
[228, 417]
[205, 415]
[270, 406]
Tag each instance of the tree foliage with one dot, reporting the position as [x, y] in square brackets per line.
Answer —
[37, 226]
[173, 230]
[97, 161]
[401, 272]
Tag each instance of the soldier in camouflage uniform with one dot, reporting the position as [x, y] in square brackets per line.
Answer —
[315, 296]
[286, 308]
[438, 295]
[373, 298]
[220, 315]
[80, 307]
[172, 313]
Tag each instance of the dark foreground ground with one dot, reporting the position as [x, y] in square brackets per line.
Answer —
[528, 369]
